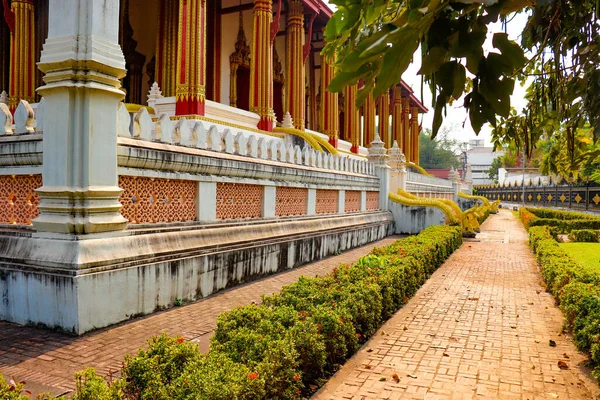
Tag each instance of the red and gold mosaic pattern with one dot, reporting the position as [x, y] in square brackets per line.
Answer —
[18, 200]
[151, 200]
[235, 201]
[352, 201]
[327, 201]
[372, 200]
[291, 201]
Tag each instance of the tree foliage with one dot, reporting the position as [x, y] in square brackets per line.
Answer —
[374, 40]
[493, 171]
[437, 153]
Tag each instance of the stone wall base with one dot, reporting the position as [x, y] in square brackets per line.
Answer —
[92, 282]
[413, 219]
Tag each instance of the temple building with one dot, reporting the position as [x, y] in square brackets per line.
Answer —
[154, 152]
[244, 63]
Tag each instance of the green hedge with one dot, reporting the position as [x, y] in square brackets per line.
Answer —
[286, 347]
[576, 289]
[563, 221]
[584, 235]
[559, 214]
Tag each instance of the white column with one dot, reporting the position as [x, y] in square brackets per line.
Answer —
[311, 208]
[455, 178]
[206, 201]
[269, 201]
[82, 63]
[363, 200]
[341, 201]
[377, 156]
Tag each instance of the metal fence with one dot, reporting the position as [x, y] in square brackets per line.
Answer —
[579, 196]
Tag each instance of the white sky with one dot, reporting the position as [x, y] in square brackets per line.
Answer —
[456, 114]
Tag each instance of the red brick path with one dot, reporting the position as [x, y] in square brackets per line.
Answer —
[48, 361]
[478, 329]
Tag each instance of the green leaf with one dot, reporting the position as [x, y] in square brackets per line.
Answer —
[433, 60]
[405, 43]
[459, 80]
[512, 51]
[440, 103]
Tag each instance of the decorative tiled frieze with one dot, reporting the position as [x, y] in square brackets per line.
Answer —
[327, 201]
[291, 201]
[372, 200]
[18, 200]
[236, 201]
[151, 200]
[352, 201]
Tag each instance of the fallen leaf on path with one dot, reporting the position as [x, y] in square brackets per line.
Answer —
[563, 365]
[405, 328]
[383, 378]
[446, 355]
[396, 378]
[411, 376]
[552, 343]
[368, 367]
[565, 355]
[369, 350]
[553, 395]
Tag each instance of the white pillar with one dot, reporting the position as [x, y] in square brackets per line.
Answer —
[206, 201]
[455, 178]
[377, 156]
[398, 173]
[341, 201]
[82, 63]
[363, 200]
[311, 208]
[269, 201]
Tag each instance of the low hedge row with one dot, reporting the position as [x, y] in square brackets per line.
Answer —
[584, 235]
[559, 214]
[563, 221]
[576, 289]
[286, 347]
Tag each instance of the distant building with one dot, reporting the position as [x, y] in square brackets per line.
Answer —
[481, 159]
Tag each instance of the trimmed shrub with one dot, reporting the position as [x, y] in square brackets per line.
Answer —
[584, 235]
[576, 288]
[286, 346]
[549, 213]
[562, 221]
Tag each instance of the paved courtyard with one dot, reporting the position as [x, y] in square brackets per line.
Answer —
[48, 360]
[478, 329]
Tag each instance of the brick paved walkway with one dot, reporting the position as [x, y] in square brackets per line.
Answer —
[48, 361]
[478, 329]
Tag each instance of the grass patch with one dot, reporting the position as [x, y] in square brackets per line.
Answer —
[587, 254]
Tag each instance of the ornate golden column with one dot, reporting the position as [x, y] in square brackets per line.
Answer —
[406, 129]
[295, 101]
[22, 54]
[369, 120]
[351, 118]
[261, 65]
[383, 111]
[397, 116]
[330, 119]
[191, 58]
[166, 46]
[414, 134]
